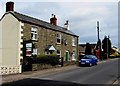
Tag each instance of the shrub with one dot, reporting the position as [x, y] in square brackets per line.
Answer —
[46, 59]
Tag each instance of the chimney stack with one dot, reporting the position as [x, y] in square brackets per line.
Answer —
[9, 6]
[53, 20]
[66, 25]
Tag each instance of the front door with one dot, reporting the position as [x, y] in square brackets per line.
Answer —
[67, 53]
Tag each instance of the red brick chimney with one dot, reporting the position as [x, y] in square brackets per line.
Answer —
[53, 20]
[9, 6]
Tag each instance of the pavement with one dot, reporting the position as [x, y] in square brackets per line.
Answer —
[24, 75]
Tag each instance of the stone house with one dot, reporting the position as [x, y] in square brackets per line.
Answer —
[22, 36]
[81, 48]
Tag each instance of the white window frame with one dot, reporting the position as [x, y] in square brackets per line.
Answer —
[73, 41]
[58, 36]
[34, 51]
[34, 33]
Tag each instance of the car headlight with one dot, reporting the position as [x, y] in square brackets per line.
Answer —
[87, 61]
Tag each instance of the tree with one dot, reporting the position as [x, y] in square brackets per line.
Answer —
[106, 46]
[88, 49]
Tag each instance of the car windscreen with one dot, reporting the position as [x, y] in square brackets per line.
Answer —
[87, 57]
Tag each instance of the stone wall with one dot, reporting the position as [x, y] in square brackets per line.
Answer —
[48, 37]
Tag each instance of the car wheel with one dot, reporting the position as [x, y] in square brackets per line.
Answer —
[90, 64]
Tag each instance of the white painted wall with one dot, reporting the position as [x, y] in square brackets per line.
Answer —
[0, 43]
[10, 40]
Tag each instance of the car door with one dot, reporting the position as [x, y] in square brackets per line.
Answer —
[94, 59]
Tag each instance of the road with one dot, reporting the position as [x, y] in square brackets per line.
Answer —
[104, 73]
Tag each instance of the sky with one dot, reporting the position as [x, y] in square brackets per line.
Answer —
[82, 15]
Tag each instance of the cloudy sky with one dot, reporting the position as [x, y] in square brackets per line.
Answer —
[82, 16]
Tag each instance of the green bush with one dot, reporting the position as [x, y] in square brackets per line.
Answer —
[46, 59]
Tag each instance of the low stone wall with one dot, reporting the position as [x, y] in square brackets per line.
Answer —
[36, 67]
[69, 63]
[10, 70]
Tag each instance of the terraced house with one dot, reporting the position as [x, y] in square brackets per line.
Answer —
[22, 36]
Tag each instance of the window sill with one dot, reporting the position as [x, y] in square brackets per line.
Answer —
[36, 40]
[58, 43]
[73, 45]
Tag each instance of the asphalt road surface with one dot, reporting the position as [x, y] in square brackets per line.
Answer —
[104, 73]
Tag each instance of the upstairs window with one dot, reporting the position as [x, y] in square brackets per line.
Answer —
[58, 38]
[34, 33]
[73, 41]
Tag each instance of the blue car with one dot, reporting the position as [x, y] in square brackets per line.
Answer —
[88, 60]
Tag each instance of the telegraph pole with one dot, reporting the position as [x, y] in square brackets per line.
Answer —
[98, 30]
[99, 41]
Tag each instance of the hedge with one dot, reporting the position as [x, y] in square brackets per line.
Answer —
[46, 59]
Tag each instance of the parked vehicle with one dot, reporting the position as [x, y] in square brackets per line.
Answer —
[88, 60]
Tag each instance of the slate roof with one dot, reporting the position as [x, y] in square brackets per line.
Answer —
[31, 20]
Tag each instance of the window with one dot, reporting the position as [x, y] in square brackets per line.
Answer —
[58, 37]
[73, 41]
[34, 51]
[34, 34]
[59, 53]
[73, 55]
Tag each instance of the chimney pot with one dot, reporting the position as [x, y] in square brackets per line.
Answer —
[9, 6]
[66, 25]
